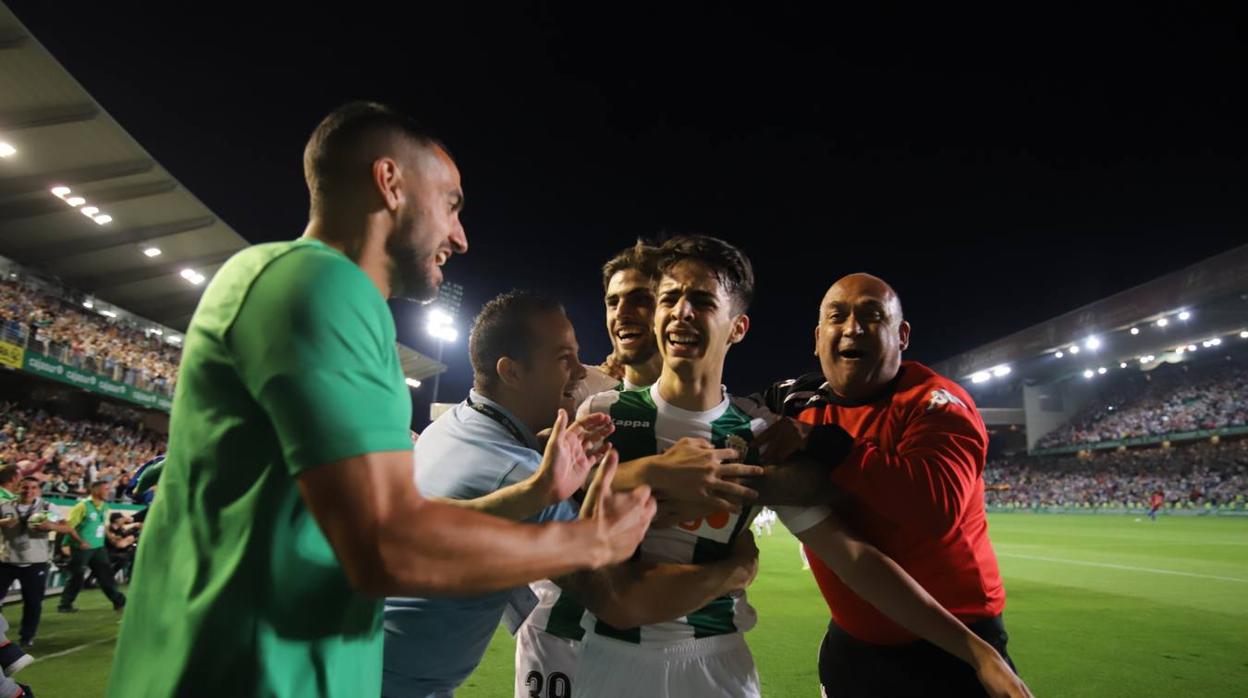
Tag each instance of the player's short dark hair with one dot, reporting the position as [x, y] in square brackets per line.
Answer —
[729, 264]
[340, 146]
[8, 473]
[504, 327]
[31, 478]
[642, 257]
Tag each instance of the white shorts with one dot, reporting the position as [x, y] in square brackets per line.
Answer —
[545, 663]
[710, 667]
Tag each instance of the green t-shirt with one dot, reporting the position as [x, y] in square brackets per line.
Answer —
[289, 363]
[6, 496]
[89, 521]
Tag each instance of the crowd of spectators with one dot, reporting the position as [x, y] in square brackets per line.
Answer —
[64, 331]
[67, 455]
[1167, 400]
[1187, 475]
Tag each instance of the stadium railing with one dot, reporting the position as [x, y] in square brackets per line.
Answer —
[1140, 441]
[57, 364]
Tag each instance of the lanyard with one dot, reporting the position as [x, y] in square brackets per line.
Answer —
[33, 508]
[494, 414]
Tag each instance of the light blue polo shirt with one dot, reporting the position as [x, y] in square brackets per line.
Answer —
[432, 645]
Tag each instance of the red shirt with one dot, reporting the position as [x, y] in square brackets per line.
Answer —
[1157, 500]
[914, 479]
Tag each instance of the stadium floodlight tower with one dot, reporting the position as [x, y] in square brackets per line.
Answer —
[440, 321]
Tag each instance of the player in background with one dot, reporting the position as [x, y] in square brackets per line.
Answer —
[1155, 503]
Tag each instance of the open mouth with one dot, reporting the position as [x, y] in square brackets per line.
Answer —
[629, 335]
[442, 257]
[852, 354]
[683, 338]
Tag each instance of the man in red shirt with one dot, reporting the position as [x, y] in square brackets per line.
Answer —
[906, 448]
[1157, 501]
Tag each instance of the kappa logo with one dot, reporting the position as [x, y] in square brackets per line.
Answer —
[635, 423]
[943, 397]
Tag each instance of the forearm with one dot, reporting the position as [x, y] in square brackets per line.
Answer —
[443, 550]
[633, 474]
[69, 531]
[884, 584]
[390, 541]
[514, 502]
[801, 481]
[641, 593]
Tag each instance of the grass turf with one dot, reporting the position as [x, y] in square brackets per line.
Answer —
[1100, 606]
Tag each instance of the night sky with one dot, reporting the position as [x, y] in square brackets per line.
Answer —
[998, 169]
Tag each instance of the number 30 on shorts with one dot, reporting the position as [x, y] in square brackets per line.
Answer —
[558, 685]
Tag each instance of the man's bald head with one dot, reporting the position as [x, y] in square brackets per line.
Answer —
[860, 336]
[338, 159]
[861, 284]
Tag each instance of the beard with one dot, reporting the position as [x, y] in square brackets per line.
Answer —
[637, 355]
[413, 275]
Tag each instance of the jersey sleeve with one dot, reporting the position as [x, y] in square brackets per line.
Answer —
[311, 346]
[788, 397]
[761, 415]
[77, 514]
[598, 403]
[798, 519]
[149, 477]
[932, 473]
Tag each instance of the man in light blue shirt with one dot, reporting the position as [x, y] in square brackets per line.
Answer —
[484, 454]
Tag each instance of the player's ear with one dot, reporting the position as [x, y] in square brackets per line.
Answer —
[740, 326]
[388, 181]
[903, 333]
[508, 370]
[816, 340]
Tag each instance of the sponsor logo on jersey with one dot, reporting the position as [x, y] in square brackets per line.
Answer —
[717, 527]
[943, 397]
[634, 423]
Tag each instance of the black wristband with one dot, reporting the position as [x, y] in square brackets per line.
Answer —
[829, 444]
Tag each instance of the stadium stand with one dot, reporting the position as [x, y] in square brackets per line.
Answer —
[67, 454]
[33, 319]
[1169, 399]
[1200, 476]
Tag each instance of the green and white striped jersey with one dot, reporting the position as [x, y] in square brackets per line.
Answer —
[646, 425]
[553, 611]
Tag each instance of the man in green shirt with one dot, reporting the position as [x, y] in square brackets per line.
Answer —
[287, 507]
[89, 517]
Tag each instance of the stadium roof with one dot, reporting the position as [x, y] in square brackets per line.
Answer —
[54, 135]
[61, 137]
[1157, 320]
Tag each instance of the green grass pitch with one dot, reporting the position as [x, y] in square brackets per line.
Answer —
[1099, 606]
